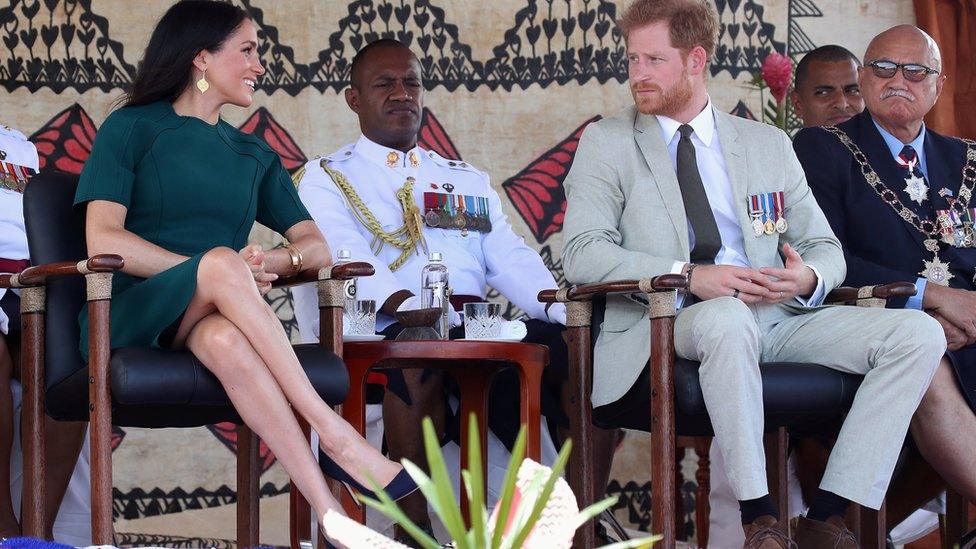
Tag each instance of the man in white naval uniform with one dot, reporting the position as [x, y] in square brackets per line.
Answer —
[67, 473]
[364, 189]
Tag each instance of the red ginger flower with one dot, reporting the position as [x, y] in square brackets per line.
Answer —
[777, 73]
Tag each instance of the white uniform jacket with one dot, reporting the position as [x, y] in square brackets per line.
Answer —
[499, 257]
[15, 149]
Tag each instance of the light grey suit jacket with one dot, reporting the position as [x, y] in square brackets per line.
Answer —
[625, 220]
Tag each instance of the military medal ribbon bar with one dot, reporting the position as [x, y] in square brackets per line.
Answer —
[768, 213]
[14, 177]
[460, 212]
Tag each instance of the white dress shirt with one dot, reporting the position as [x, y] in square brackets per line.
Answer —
[895, 146]
[499, 258]
[718, 189]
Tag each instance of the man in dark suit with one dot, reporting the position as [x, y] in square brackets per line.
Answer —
[898, 197]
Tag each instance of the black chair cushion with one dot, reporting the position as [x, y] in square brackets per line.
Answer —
[150, 387]
[159, 388]
[797, 395]
[807, 398]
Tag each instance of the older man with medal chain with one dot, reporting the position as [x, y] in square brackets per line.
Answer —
[899, 198]
[391, 203]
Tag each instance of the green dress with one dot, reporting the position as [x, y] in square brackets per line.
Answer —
[189, 187]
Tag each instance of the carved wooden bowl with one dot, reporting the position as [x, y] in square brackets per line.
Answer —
[418, 324]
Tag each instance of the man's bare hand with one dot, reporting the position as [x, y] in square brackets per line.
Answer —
[711, 281]
[958, 307]
[955, 338]
[795, 279]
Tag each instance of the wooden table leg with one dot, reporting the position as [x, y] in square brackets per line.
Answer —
[530, 395]
[475, 385]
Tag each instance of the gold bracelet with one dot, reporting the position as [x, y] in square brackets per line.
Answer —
[296, 258]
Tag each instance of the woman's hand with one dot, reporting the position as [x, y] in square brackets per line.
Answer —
[254, 257]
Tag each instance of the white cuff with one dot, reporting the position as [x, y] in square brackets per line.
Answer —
[557, 314]
[819, 293]
[676, 268]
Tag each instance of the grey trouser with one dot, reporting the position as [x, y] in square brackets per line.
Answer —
[897, 350]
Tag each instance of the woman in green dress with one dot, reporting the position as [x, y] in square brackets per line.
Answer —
[175, 190]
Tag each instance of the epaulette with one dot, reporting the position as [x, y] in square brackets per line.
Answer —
[342, 154]
[452, 164]
[7, 131]
[338, 156]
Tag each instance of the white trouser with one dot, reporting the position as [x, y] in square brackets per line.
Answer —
[897, 351]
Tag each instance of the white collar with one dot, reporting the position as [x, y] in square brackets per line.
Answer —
[387, 157]
[703, 124]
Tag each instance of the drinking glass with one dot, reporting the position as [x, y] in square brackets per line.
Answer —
[359, 317]
[482, 320]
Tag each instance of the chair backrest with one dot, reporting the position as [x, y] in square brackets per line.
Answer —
[56, 232]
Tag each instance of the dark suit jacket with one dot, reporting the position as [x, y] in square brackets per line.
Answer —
[880, 246]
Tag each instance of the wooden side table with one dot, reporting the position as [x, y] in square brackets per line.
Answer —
[472, 364]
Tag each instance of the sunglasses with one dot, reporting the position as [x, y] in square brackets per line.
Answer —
[913, 72]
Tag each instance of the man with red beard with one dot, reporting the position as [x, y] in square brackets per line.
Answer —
[673, 185]
[899, 197]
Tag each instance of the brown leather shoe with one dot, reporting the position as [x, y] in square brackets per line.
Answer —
[765, 533]
[830, 534]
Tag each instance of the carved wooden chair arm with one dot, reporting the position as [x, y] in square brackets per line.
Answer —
[586, 292]
[38, 274]
[871, 296]
[344, 271]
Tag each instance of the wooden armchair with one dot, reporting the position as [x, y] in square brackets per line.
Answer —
[132, 386]
[828, 394]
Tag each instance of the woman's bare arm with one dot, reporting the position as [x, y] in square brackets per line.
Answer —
[106, 234]
[306, 237]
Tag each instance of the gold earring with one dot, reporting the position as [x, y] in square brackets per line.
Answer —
[202, 84]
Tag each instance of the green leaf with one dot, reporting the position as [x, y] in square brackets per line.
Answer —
[478, 540]
[388, 507]
[523, 511]
[444, 501]
[595, 509]
[475, 481]
[641, 543]
[508, 488]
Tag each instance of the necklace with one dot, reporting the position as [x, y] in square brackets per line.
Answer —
[936, 270]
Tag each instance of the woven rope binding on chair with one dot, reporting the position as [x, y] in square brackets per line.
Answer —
[865, 297]
[98, 285]
[32, 300]
[578, 313]
[663, 304]
[331, 293]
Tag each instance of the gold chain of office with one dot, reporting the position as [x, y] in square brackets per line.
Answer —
[927, 227]
[406, 238]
